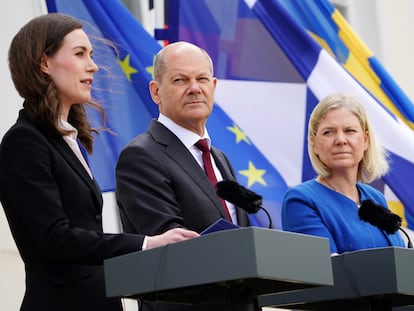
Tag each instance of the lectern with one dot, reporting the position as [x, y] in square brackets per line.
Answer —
[236, 265]
[373, 279]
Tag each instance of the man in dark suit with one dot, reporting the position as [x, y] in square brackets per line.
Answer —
[161, 182]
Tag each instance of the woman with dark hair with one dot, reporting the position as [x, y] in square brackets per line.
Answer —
[50, 198]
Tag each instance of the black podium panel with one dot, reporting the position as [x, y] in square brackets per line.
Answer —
[250, 261]
[374, 279]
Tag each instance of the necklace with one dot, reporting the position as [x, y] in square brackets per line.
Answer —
[328, 184]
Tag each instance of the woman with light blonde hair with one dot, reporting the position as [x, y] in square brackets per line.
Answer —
[345, 155]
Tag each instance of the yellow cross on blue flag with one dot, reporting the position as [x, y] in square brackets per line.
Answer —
[275, 59]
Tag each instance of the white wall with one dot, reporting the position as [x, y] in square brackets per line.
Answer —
[13, 15]
[396, 24]
[386, 26]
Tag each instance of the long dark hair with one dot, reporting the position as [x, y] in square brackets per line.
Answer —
[41, 36]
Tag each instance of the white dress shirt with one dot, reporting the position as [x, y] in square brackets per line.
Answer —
[71, 140]
[189, 139]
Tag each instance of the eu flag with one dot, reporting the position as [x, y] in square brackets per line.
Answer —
[121, 84]
[131, 108]
[274, 59]
[273, 69]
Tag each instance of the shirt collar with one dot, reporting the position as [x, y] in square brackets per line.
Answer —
[187, 137]
[67, 126]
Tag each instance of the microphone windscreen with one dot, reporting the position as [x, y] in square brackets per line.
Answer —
[379, 216]
[235, 193]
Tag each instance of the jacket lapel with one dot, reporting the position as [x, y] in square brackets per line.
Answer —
[180, 154]
[64, 150]
[70, 157]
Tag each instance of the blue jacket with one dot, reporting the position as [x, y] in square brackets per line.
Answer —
[312, 208]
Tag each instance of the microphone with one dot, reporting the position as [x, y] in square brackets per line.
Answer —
[382, 218]
[242, 197]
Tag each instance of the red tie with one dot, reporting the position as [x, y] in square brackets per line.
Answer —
[202, 144]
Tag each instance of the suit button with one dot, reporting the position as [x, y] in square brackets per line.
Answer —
[98, 218]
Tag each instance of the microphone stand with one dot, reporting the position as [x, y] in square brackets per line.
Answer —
[409, 244]
[268, 216]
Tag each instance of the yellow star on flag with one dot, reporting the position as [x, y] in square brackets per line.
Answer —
[150, 70]
[253, 175]
[126, 67]
[240, 135]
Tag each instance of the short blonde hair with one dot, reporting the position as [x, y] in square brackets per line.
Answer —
[374, 163]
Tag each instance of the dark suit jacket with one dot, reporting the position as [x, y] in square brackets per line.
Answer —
[161, 186]
[54, 211]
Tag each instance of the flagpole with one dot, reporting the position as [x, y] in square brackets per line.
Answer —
[159, 17]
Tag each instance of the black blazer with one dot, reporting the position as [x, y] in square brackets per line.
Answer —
[161, 186]
[54, 211]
